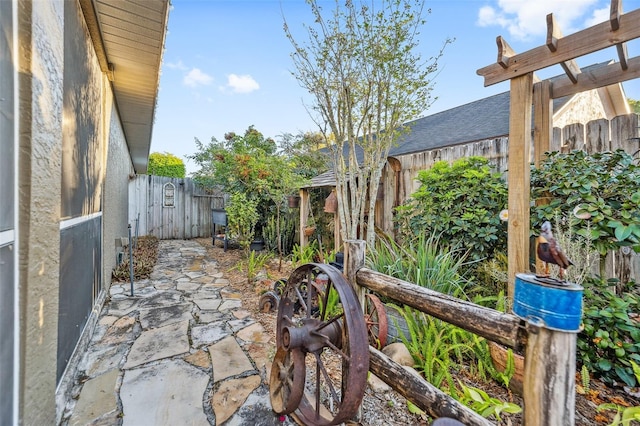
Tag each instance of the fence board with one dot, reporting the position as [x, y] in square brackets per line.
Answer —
[190, 216]
[597, 136]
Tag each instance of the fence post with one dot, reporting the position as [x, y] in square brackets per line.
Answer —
[354, 254]
[549, 377]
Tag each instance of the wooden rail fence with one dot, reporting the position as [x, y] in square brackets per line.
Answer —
[550, 355]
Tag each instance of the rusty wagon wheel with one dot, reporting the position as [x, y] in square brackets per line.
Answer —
[322, 336]
[268, 302]
[375, 317]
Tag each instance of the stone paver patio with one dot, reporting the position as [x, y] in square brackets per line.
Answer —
[181, 351]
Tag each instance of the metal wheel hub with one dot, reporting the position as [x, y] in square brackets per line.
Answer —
[312, 336]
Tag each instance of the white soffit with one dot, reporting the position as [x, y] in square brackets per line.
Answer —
[129, 38]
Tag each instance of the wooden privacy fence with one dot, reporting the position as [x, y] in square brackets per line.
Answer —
[596, 136]
[171, 208]
[550, 355]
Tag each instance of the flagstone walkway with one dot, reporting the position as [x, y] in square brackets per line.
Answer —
[180, 351]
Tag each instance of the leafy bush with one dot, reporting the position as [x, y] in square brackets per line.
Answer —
[242, 216]
[166, 164]
[597, 195]
[610, 338]
[460, 203]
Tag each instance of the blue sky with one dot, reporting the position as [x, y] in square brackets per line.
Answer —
[226, 63]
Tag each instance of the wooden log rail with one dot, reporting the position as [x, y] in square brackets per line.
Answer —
[550, 355]
[491, 324]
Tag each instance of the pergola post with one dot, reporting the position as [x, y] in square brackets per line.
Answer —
[305, 205]
[542, 131]
[519, 177]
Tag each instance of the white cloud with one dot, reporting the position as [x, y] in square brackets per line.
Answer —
[599, 16]
[242, 83]
[195, 78]
[525, 19]
[177, 65]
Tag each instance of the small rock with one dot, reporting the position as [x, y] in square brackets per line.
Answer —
[377, 384]
[399, 353]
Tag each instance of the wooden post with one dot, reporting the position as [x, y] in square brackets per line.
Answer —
[337, 235]
[542, 131]
[519, 176]
[354, 255]
[304, 213]
[549, 377]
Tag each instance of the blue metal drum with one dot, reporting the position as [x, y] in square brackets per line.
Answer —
[550, 303]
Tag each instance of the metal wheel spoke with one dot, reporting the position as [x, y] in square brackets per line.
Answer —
[332, 320]
[309, 291]
[301, 299]
[317, 392]
[320, 366]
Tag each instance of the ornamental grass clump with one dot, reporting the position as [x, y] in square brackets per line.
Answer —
[423, 261]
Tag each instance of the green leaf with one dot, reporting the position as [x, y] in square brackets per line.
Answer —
[625, 375]
[414, 409]
[623, 232]
[604, 364]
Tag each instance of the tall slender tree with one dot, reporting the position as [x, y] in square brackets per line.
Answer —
[362, 67]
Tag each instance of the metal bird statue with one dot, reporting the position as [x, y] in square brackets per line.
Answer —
[549, 251]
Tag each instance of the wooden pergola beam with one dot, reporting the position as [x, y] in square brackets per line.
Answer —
[505, 52]
[614, 20]
[596, 78]
[554, 36]
[581, 43]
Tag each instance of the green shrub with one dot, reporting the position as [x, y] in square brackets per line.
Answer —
[242, 216]
[597, 195]
[461, 204]
[610, 339]
[166, 164]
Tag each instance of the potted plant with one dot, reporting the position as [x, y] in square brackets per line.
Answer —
[293, 201]
[310, 228]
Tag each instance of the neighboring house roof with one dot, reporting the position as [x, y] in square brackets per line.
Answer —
[487, 118]
[129, 40]
[484, 119]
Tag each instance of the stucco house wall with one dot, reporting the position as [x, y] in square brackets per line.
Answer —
[116, 193]
[40, 65]
[65, 169]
